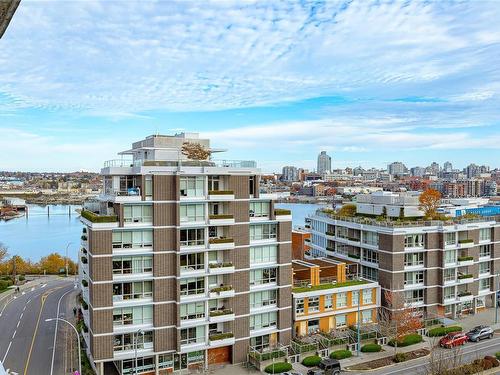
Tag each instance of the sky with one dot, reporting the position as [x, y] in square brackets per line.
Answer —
[370, 82]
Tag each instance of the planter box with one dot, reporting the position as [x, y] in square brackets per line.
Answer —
[221, 245]
[466, 280]
[219, 196]
[466, 262]
[465, 245]
[222, 294]
[223, 342]
[221, 221]
[220, 270]
[221, 318]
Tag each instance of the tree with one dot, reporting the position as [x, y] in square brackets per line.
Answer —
[3, 252]
[429, 202]
[54, 262]
[348, 210]
[195, 151]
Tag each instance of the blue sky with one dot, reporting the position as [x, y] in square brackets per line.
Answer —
[274, 81]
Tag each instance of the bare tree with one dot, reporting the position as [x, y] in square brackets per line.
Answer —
[3, 252]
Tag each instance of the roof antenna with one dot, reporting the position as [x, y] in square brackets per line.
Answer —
[157, 131]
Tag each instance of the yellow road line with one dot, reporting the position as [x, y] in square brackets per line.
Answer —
[44, 297]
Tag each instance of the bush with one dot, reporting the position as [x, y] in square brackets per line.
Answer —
[493, 360]
[22, 278]
[497, 354]
[442, 331]
[278, 367]
[4, 284]
[400, 357]
[311, 361]
[95, 218]
[340, 354]
[411, 339]
[371, 348]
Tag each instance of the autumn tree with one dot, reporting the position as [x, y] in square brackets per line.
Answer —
[348, 210]
[54, 262]
[195, 151]
[429, 202]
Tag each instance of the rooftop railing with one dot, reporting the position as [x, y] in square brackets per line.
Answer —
[184, 163]
[118, 163]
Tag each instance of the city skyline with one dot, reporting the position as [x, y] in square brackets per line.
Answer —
[421, 85]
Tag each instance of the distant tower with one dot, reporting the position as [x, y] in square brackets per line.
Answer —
[324, 163]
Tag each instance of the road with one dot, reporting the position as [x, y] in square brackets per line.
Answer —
[26, 339]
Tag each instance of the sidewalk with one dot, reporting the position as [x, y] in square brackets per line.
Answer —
[486, 318]
[7, 296]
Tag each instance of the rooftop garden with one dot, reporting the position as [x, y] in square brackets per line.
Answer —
[96, 218]
[304, 289]
[282, 211]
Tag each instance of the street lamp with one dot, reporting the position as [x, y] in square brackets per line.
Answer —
[77, 338]
[136, 335]
[66, 260]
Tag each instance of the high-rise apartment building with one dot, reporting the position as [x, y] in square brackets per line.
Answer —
[290, 173]
[184, 263]
[397, 169]
[324, 163]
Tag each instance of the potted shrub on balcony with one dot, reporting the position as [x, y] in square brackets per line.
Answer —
[220, 240]
[85, 283]
[221, 336]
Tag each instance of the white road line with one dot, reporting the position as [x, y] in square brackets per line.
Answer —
[55, 332]
[7, 352]
[14, 334]
[18, 323]
[20, 316]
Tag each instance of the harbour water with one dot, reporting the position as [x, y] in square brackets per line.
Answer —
[40, 233]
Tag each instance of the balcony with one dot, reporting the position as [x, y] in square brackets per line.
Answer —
[465, 243]
[221, 339]
[124, 196]
[465, 279]
[223, 291]
[465, 296]
[220, 195]
[221, 243]
[219, 316]
[84, 240]
[220, 268]
[282, 214]
[222, 219]
[465, 261]
[93, 219]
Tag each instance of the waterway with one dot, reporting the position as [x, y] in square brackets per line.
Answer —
[48, 229]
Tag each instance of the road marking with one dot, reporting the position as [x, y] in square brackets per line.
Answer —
[19, 322]
[32, 289]
[55, 332]
[34, 333]
[20, 316]
[7, 352]
[14, 334]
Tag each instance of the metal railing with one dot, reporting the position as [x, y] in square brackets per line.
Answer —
[118, 163]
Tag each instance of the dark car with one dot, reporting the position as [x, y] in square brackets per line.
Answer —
[453, 339]
[327, 366]
[479, 333]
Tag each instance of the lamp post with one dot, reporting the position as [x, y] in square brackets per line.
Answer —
[77, 338]
[496, 298]
[66, 260]
[136, 335]
[359, 333]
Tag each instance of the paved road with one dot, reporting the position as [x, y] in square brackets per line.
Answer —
[26, 340]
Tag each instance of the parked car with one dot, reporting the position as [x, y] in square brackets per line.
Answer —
[479, 333]
[453, 339]
[327, 366]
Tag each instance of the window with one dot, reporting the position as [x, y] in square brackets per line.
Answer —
[133, 315]
[299, 306]
[259, 209]
[450, 238]
[484, 284]
[192, 262]
[367, 297]
[144, 364]
[449, 292]
[449, 274]
[148, 187]
[370, 238]
[251, 185]
[312, 326]
[414, 296]
[414, 278]
[369, 273]
[192, 186]
[484, 268]
[264, 320]
[128, 184]
[328, 302]
[354, 298]
[128, 265]
[214, 183]
[366, 316]
[135, 290]
[262, 231]
[263, 254]
[414, 240]
[370, 256]
[341, 300]
[192, 212]
[313, 303]
[192, 335]
[263, 299]
[131, 341]
[192, 285]
[138, 213]
[485, 234]
[259, 342]
[414, 259]
[450, 256]
[340, 321]
[484, 251]
[132, 239]
[342, 232]
[194, 310]
[192, 237]
[263, 276]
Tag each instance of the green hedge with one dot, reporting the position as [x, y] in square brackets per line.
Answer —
[442, 331]
[4, 284]
[407, 340]
[340, 354]
[278, 367]
[220, 192]
[282, 211]
[497, 354]
[221, 336]
[465, 258]
[371, 348]
[94, 218]
[311, 361]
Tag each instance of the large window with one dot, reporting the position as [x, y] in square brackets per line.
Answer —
[214, 183]
[313, 304]
[449, 274]
[414, 278]
[328, 302]
[414, 296]
[192, 186]
[450, 256]
[370, 256]
[299, 306]
[143, 364]
[367, 297]
[369, 273]
[132, 341]
[262, 231]
[450, 238]
[485, 234]
[263, 299]
[414, 240]
[263, 276]
[259, 209]
[263, 254]
[264, 320]
[340, 320]
[354, 298]
[138, 213]
[135, 290]
[484, 268]
[132, 239]
[484, 284]
[449, 292]
[259, 342]
[193, 335]
[192, 212]
[366, 316]
[128, 265]
[341, 300]
[192, 262]
[414, 259]
[133, 315]
[484, 251]
[195, 310]
[370, 238]
[192, 285]
[192, 237]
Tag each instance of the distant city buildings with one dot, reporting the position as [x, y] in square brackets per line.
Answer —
[324, 163]
[397, 169]
[290, 174]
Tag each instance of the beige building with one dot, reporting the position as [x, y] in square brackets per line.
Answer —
[184, 263]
